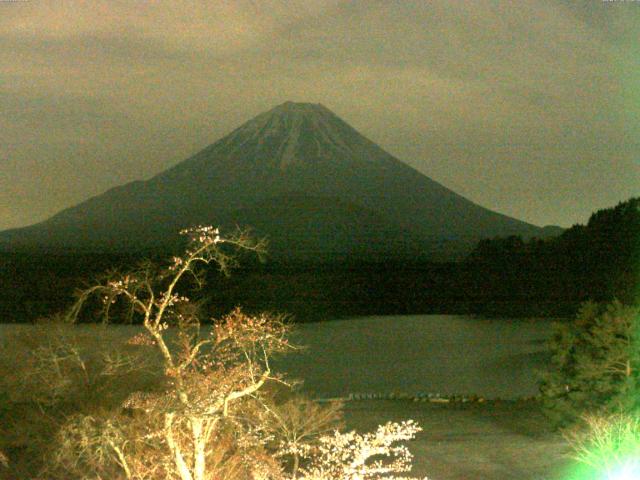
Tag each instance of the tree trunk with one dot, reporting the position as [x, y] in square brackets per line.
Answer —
[199, 440]
[296, 466]
[180, 464]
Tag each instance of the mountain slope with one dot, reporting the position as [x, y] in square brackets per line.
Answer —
[297, 161]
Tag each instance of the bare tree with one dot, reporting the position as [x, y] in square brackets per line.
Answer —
[212, 375]
[213, 414]
[351, 456]
[298, 424]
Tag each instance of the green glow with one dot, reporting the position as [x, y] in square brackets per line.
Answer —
[628, 471]
[608, 449]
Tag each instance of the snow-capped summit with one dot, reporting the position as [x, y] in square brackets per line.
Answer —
[294, 134]
[298, 127]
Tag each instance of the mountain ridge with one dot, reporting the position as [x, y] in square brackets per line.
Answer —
[293, 147]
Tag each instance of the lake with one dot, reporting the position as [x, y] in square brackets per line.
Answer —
[446, 354]
[412, 354]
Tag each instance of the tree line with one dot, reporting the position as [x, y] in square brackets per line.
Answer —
[598, 261]
[507, 276]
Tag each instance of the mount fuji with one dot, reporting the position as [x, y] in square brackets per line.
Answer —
[297, 174]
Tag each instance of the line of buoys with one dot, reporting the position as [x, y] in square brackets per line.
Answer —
[419, 397]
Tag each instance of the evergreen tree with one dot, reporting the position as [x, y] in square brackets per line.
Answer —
[595, 364]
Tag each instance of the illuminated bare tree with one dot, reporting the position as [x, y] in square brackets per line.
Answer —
[211, 374]
[351, 456]
[298, 424]
[213, 417]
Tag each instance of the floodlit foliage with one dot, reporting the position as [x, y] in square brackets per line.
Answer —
[53, 371]
[212, 377]
[608, 445]
[595, 364]
[297, 424]
[351, 456]
[184, 398]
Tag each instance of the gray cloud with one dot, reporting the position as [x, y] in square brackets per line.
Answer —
[528, 107]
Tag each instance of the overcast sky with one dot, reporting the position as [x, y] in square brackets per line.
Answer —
[530, 108]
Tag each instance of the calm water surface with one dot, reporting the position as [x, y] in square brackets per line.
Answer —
[446, 354]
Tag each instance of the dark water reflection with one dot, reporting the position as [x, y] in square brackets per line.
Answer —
[446, 354]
